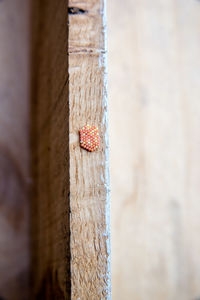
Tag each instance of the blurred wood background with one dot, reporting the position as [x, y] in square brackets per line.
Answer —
[154, 97]
[14, 149]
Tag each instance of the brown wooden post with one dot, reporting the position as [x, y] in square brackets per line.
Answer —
[14, 149]
[89, 220]
[70, 203]
[50, 209]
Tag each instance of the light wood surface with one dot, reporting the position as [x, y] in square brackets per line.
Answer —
[89, 203]
[14, 149]
[154, 94]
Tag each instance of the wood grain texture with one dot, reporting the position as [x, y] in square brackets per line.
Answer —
[50, 208]
[89, 203]
[14, 149]
[70, 225]
[154, 86]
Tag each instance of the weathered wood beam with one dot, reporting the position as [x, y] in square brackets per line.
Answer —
[89, 203]
[70, 205]
[50, 209]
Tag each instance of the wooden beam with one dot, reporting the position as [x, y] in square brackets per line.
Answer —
[89, 203]
[50, 209]
[14, 149]
[70, 205]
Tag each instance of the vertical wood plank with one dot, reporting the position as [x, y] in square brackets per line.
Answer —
[14, 149]
[70, 224]
[154, 98]
[89, 203]
[50, 209]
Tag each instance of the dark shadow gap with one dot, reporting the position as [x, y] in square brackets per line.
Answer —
[76, 11]
[50, 211]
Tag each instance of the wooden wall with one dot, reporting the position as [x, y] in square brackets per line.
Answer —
[14, 148]
[154, 96]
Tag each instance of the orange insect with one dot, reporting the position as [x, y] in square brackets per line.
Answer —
[89, 138]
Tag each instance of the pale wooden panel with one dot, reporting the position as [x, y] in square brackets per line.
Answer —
[89, 222]
[154, 82]
[14, 149]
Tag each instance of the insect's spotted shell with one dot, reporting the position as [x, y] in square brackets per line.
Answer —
[89, 138]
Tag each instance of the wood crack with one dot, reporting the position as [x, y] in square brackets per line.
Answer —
[76, 11]
[87, 51]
